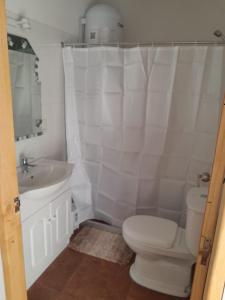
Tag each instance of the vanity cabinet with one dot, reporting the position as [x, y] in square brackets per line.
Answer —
[45, 234]
[61, 212]
[37, 244]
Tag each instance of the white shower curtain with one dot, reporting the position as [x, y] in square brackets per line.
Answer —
[141, 125]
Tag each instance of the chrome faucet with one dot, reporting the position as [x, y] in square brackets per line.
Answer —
[24, 164]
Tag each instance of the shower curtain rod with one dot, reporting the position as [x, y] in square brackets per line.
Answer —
[153, 44]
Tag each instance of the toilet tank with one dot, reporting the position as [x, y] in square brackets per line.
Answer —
[195, 200]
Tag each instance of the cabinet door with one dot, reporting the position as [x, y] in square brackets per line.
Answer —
[61, 211]
[37, 244]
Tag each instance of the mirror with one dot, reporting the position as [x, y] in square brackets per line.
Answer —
[26, 88]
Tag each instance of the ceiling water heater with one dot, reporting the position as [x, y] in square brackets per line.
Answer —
[102, 25]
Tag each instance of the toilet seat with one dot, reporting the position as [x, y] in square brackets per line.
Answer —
[150, 239]
[151, 231]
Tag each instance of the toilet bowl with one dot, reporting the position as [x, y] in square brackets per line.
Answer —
[165, 252]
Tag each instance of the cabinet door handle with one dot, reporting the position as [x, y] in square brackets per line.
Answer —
[54, 217]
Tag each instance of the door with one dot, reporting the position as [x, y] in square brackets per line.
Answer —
[215, 281]
[210, 218]
[37, 244]
[60, 212]
[10, 225]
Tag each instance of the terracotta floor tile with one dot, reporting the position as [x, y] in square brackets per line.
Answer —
[76, 276]
[137, 292]
[98, 279]
[38, 292]
[64, 296]
[60, 271]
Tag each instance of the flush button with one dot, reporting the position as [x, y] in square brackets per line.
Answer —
[203, 196]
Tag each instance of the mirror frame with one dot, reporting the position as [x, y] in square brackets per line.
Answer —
[21, 44]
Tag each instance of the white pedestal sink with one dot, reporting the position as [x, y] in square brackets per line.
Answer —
[44, 182]
[46, 177]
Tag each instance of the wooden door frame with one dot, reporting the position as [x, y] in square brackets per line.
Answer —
[215, 280]
[209, 226]
[10, 225]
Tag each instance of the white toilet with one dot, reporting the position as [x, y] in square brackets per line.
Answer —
[165, 252]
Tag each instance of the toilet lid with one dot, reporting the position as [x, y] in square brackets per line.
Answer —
[152, 231]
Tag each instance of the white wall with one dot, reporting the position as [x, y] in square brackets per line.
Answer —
[144, 20]
[62, 14]
[46, 42]
[147, 20]
[52, 21]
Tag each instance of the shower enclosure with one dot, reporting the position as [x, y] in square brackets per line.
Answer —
[141, 125]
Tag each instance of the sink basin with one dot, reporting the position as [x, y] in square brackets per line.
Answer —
[44, 179]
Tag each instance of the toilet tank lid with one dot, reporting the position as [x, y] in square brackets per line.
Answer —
[151, 231]
[196, 199]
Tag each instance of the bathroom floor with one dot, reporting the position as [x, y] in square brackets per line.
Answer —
[77, 276]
